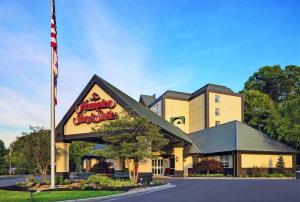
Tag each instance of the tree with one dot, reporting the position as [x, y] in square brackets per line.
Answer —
[280, 119]
[3, 163]
[32, 150]
[131, 138]
[268, 80]
[258, 108]
[291, 79]
[280, 165]
[77, 150]
[284, 125]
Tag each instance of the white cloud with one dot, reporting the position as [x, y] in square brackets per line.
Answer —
[110, 51]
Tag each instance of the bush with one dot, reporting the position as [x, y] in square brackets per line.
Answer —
[208, 167]
[102, 167]
[280, 165]
[59, 180]
[107, 182]
[207, 175]
[30, 179]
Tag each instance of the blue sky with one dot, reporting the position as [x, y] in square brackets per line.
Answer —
[139, 46]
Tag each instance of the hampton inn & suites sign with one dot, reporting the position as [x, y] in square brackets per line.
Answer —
[97, 106]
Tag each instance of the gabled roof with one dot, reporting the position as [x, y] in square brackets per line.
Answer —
[146, 100]
[127, 103]
[237, 136]
[189, 96]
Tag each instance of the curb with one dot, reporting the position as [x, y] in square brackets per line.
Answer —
[126, 194]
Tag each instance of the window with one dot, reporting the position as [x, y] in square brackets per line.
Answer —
[224, 159]
[217, 111]
[217, 98]
[217, 123]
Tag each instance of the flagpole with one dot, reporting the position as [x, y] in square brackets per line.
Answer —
[52, 116]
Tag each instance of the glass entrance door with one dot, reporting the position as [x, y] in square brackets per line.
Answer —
[157, 166]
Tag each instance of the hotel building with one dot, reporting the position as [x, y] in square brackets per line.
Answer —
[207, 123]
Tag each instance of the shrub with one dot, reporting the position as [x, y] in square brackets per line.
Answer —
[107, 182]
[66, 181]
[21, 184]
[102, 167]
[30, 179]
[208, 166]
[280, 165]
[59, 180]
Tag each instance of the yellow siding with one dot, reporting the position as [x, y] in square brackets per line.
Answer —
[230, 108]
[70, 128]
[264, 160]
[187, 163]
[178, 153]
[174, 108]
[145, 166]
[197, 113]
[62, 161]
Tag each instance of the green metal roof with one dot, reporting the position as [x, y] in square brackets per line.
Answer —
[147, 113]
[236, 136]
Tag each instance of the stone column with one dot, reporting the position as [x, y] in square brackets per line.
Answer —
[145, 171]
[62, 161]
[178, 155]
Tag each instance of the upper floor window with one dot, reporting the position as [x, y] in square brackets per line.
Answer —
[217, 98]
[217, 111]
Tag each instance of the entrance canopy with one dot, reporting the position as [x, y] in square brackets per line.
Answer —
[100, 101]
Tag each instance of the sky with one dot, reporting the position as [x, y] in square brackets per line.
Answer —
[141, 47]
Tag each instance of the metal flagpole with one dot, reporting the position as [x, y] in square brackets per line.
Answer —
[52, 115]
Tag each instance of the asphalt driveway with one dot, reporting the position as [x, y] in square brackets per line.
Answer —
[231, 190]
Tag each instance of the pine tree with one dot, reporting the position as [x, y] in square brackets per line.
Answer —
[280, 165]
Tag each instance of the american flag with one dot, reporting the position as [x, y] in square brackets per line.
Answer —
[54, 58]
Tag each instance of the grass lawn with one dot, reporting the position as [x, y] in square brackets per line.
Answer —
[18, 196]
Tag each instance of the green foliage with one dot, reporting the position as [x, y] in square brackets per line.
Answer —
[280, 118]
[59, 180]
[280, 165]
[258, 108]
[77, 150]
[131, 137]
[3, 162]
[107, 182]
[31, 151]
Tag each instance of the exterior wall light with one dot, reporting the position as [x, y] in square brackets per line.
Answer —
[177, 158]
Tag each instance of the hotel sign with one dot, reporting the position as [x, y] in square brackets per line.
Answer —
[96, 105]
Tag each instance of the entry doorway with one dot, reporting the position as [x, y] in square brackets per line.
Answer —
[158, 166]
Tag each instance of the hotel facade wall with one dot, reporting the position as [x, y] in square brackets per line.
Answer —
[176, 108]
[197, 113]
[249, 163]
[230, 107]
